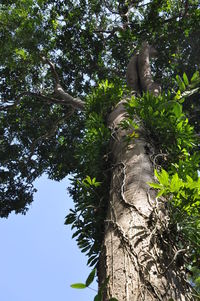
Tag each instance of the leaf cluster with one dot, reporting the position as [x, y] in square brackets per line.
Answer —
[90, 185]
[89, 41]
[167, 124]
[177, 146]
[34, 139]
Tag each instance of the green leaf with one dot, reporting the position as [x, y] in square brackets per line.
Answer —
[176, 183]
[180, 83]
[98, 297]
[177, 109]
[113, 299]
[195, 76]
[155, 185]
[163, 177]
[185, 79]
[21, 52]
[78, 285]
[156, 173]
[92, 260]
[178, 95]
[61, 140]
[70, 218]
[161, 192]
[90, 277]
[89, 180]
[95, 183]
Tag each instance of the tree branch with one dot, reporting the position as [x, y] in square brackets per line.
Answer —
[138, 73]
[64, 98]
[67, 99]
[144, 69]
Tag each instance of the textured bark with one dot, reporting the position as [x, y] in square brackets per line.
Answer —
[144, 70]
[137, 254]
[132, 77]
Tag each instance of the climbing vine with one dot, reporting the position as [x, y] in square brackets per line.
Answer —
[90, 186]
[176, 159]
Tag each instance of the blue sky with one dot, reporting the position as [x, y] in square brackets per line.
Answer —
[39, 260]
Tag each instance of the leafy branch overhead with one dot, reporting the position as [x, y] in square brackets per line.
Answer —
[63, 69]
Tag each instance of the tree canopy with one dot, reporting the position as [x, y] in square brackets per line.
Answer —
[90, 43]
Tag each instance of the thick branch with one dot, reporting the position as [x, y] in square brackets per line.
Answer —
[67, 100]
[76, 103]
[144, 69]
[64, 98]
[132, 74]
[138, 73]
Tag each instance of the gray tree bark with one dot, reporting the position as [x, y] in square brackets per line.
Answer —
[136, 255]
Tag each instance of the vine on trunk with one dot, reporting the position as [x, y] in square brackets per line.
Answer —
[176, 164]
[176, 168]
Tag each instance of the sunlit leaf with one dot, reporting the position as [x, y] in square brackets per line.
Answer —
[185, 78]
[78, 285]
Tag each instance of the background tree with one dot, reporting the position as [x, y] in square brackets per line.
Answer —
[44, 129]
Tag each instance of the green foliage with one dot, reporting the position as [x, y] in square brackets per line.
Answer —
[103, 98]
[34, 139]
[89, 280]
[167, 124]
[78, 285]
[87, 44]
[176, 142]
[196, 277]
[185, 194]
[90, 186]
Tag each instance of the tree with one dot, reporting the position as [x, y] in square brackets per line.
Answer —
[108, 138]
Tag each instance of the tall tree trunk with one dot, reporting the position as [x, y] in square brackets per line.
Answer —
[136, 254]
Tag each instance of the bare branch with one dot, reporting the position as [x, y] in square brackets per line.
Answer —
[67, 100]
[76, 103]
